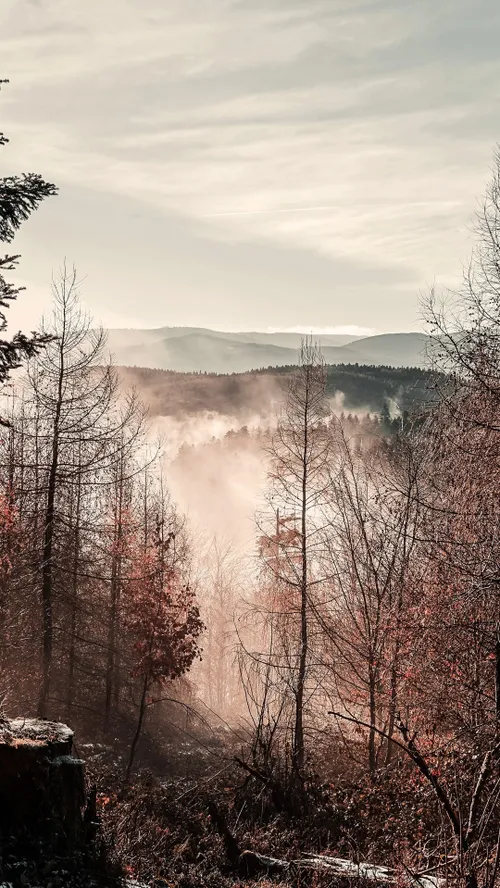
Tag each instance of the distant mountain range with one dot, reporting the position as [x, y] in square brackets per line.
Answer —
[192, 349]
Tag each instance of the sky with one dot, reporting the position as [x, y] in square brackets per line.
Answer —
[250, 164]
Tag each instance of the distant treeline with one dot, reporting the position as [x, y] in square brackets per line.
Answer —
[364, 387]
[372, 387]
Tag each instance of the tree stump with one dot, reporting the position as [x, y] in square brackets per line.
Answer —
[41, 784]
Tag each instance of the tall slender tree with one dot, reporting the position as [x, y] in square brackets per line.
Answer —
[298, 451]
[80, 424]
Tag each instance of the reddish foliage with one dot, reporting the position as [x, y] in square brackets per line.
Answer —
[162, 616]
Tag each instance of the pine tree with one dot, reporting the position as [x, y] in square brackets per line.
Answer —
[19, 197]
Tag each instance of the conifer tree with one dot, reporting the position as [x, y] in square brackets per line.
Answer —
[19, 197]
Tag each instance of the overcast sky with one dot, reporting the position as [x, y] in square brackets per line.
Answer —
[249, 164]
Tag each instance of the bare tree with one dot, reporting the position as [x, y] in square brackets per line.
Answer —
[291, 530]
[79, 431]
[373, 523]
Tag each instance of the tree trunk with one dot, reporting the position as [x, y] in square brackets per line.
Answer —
[140, 722]
[112, 664]
[497, 678]
[74, 600]
[47, 615]
[392, 713]
[372, 754]
[299, 749]
[41, 784]
[110, 657]
[47, 566]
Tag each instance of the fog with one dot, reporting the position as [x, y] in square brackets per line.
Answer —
[216, 484]
[216, 471]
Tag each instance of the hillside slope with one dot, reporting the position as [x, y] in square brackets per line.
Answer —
[258, 394]
[192, 350]
[392, 349]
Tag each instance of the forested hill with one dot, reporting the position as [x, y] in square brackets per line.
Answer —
[170, 393]
[370, 387]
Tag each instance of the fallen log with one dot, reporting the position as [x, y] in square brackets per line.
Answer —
[253, 865]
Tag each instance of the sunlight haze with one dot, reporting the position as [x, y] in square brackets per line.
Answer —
[250, 165]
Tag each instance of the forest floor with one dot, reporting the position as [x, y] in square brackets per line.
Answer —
[185, 821]
[185, 824]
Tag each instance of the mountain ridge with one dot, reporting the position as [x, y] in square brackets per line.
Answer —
[196, 349]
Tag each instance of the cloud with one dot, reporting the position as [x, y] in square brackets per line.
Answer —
[283, 152]
[183, 273]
